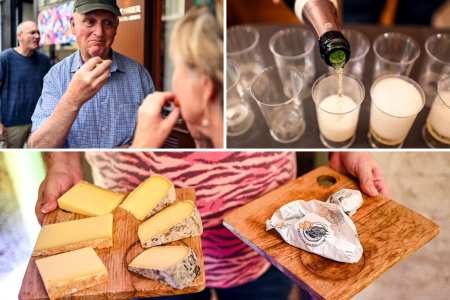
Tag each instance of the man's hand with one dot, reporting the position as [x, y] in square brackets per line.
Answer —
[3, 134]
[152, 130]
[88, 81]
[63, 172]
[362, 166]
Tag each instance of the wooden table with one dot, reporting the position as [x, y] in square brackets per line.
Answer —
[122, 284]
[388, 231]
[259, 137]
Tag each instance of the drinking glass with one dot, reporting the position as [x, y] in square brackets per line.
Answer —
[360, 46]
[395, 53]
[436, 131]
[281, 111]
[239, 113]
[337, 118]
[295, 47]
[435, 64]
[243, 48]
[395, 105]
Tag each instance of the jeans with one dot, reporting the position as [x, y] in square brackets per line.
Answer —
[272, 285]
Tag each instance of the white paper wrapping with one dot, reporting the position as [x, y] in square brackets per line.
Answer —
[321, 227]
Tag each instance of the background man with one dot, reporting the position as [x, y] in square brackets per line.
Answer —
[22, 70]
[87, 103]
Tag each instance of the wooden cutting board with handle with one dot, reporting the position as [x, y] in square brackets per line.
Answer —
[389, 232]
[122, 284]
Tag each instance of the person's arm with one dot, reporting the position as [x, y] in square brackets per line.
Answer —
[63, 172]
[362, 166]
[87, 81]
[3, 135]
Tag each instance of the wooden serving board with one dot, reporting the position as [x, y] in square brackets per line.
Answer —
[388, 231]
[122, 284]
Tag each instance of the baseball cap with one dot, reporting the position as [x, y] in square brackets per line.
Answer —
[85, 6]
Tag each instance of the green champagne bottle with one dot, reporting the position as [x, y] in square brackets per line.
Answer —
[321, 16]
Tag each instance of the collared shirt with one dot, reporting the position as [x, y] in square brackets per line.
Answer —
[108, 120]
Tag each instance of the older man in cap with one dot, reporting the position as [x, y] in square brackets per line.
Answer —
[91, 98]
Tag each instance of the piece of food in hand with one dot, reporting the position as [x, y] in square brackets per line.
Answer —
[176, 102]
[99, 63]
[70, 272]
[62, 237]
[176, 266]
[174, 223]
[150, 197]
[90, 200]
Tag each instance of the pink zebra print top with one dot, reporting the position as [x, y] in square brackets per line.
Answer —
[222, 181]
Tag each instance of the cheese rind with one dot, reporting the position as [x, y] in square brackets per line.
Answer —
[72, 235]
[151, 196]
[178, 275]
[68, 273]
[90, 200]
[178, 224]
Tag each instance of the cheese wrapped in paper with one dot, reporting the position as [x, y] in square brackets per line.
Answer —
[348, 200]
[319, 227]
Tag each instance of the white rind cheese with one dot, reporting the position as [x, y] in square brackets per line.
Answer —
[187, 227]
[136, 200]
[179, 275]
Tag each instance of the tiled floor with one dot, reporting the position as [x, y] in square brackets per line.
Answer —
[421, 182]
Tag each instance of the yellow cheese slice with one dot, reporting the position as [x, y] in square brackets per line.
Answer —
[176, 266]
[160, 257]
[90, 200]
[174, 223]
[72, 235]
[70, 272]
[154, 194]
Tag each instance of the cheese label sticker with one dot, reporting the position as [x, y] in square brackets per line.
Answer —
[313, 234]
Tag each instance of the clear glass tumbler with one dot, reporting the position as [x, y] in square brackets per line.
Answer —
[243, 48]
[239, 113]
[337, 118]
[281, 111]
[360, 46]
[395, 53]
[435, 64]
[436, 131]
[396, 101]
[295, 47]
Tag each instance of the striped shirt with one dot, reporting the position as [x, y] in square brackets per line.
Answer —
[108, 120]
[223, 181]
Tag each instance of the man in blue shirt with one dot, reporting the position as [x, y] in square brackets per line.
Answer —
[91, 98]
[22, 70]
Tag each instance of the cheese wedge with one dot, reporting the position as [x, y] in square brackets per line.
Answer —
[174, 223]
[154, 194]
[175, 266]
[90, 200]
[70, 272]
[72, 235]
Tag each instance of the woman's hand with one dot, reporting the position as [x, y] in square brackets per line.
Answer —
[362, 166]
[152, 129]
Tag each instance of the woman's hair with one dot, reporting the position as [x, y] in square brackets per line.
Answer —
[198, 40]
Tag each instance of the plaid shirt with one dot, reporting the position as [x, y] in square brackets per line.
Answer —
[108, 120]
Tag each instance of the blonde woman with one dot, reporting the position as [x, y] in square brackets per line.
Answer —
[196, 49]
